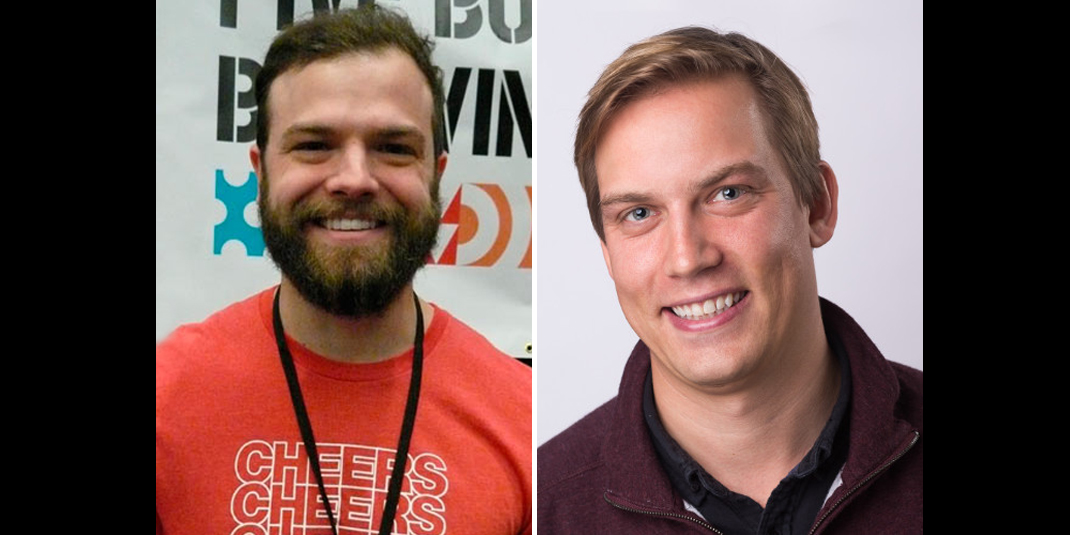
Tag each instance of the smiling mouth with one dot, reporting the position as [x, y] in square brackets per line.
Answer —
[350, 224]
[709, 308]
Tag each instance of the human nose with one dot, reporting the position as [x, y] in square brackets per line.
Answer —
[355, 174]
[692, 247]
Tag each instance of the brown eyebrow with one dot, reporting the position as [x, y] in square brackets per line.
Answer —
[718, 176]
[623, 198]
[400, 131]
[390, 132]
[727, 171]
[303, 129]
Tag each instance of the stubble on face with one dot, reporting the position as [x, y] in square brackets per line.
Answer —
[352, 281]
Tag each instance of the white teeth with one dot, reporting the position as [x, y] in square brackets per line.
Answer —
[709, 307]
[349, 224]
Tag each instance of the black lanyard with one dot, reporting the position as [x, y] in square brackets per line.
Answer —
[402, 455]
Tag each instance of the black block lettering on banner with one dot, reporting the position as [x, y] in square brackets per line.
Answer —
[513, 108]
[519, 109]
[497, 22]
[513, 105]
[285, 15]
[484, 96]
[228, 102]
[472, 22]
[464, 29]
[455, 98]
[228, 13]
[224, 124]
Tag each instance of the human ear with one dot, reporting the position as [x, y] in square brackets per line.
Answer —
[440, 164]
[823, 213]
[254, 159]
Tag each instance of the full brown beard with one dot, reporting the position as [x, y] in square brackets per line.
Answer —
[354, 281]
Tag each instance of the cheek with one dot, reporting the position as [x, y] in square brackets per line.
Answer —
[793, 237]
[410, 190]
[635, 266]
[785, 252]
[288, 184]
[418, 193]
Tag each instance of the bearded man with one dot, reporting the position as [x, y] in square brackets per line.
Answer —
[339, 400]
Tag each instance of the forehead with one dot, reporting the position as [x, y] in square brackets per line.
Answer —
[375, 88]
[682, 133]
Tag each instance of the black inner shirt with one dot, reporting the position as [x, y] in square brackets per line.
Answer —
[793, 505]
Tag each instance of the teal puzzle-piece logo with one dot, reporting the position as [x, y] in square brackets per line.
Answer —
[234, 226]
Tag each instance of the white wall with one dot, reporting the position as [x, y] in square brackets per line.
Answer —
[862, 62]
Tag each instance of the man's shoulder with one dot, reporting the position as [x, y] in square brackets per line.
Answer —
[459, 338]
[231, 330]
[219, 324]
[910, 392]
[869, 366]
[573, 474]
[575, 454]
[908, 375]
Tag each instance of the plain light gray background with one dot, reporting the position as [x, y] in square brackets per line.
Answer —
[862, 62]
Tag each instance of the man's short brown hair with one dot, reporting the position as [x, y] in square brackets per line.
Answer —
[368, 28]
[693, 53]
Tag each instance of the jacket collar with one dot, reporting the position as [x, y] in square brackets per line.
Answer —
[639, 482]
[875, 431]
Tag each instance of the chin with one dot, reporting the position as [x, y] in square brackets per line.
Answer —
[712, 367]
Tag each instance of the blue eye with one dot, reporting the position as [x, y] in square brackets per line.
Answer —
[728, 193]
[637, 214]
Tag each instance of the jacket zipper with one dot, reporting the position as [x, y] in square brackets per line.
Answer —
[660, 513]
[865, 480]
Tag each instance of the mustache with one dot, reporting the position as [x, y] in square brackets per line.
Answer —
[320, 210]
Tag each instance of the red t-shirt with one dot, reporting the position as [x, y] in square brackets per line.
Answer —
[229, 454]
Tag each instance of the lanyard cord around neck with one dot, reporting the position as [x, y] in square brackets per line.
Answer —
[400, 458]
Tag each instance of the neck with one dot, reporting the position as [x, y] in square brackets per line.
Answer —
[372, 338]
[750, 438]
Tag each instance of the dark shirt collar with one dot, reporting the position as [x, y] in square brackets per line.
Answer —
[823, 446]
[696, 486]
